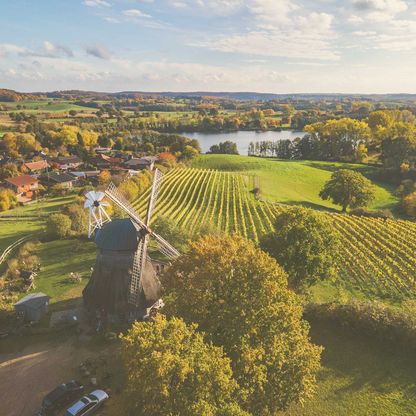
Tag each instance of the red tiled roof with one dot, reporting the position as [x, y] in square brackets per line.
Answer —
[38, 165]
[22, 180]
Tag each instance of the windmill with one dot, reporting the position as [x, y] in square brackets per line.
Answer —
[96, 213]
[145, 233]
[124, 276]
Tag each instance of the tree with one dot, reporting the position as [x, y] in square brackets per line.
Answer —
[8, 199]
[226, 147]
[78, 217]
[104, 177]
[170, 230]
[172, 371]
[238, 295]
[398, 145]
[58, 225]
[348, 189]
[8, 170]
[189, 153]
[305, 244]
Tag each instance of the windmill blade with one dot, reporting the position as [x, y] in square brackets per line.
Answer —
[99, 196]
[90, 196]
[137, 272]
[88, 203]
[153, 196]
[104, 204]
[115, 195]
[164, 247]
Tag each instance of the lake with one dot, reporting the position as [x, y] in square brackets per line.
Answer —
[242, 138]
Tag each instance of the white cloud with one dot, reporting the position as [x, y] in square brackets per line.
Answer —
[380, 10]
[272, 10]
[301, 36]
[135, 13]
[96, 3]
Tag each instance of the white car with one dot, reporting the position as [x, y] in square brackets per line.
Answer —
[88, 404]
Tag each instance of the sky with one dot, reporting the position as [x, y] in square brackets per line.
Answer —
[277, 46]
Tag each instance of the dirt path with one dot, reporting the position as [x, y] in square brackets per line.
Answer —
[26, 376]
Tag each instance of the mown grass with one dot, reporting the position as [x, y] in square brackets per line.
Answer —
[295, 182]
[58, 259]
[360, 377]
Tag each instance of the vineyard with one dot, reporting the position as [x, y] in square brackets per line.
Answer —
[378, 256]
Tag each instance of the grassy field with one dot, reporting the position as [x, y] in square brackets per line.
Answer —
[377, 256]
[360, 377]
[57, 264]
[293, 182]
[43, 106]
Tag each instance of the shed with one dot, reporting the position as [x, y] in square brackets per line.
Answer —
[32, 307]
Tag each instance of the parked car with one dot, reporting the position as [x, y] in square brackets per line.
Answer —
[60, 397]
[88, 404]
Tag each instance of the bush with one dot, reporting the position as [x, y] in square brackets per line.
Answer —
[369, 318]
[8, 199]
[383, 213]
[409, 204]
[79, 218]
[58, 226]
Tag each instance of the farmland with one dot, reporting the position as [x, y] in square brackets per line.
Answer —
[293, 181]
[377, 255]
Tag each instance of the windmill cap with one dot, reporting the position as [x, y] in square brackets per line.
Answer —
[118, 235]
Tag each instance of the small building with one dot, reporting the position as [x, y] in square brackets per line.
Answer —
[102, 161]
[66, 162]
[63, 179]
[32, 307]
[24, 186]
[147, 162]
[38, 167]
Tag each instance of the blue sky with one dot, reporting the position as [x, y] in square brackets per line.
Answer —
[280, 46]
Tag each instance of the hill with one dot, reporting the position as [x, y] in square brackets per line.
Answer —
[377, 256]
[294, 182]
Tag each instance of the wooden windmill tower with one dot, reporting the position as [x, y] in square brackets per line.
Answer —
[124, 278]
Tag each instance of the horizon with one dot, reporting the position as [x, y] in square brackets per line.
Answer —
[278, 47]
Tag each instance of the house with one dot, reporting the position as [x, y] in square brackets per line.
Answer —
[24, 186]
[66, 162]
[147, 162]
[63, 179]
[37, 168]
[88, 174]
[106, 162]
[32, 307]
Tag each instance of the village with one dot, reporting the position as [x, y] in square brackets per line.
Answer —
[34, 177]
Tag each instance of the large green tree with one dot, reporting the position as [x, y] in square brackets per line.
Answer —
[348, 189]
[172, 371]
[239, 296]
[305, 244]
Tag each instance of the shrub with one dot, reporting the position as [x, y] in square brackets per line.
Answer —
[361, 212]
[58, 226]
[409, 204]
[369, 318]
[8, 199]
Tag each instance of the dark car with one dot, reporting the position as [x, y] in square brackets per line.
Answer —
[60, 397]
